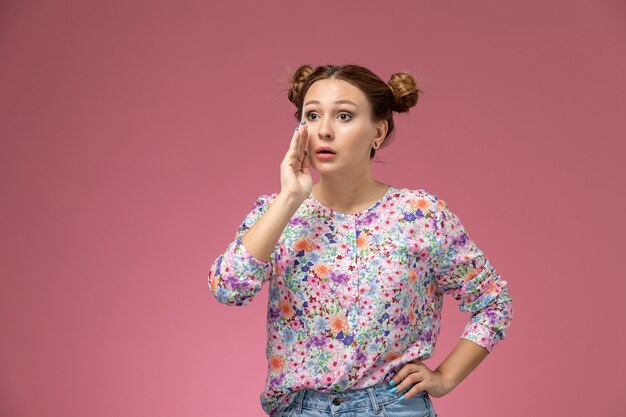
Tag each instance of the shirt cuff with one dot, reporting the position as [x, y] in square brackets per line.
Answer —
[481, 335]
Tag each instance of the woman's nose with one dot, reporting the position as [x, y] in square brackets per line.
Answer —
[325, 130]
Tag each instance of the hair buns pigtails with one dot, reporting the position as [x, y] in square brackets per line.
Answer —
[405, 91]
[297, 80]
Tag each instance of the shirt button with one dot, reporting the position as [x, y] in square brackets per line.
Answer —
[336, 401]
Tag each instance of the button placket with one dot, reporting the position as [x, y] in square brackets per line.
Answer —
[357, 264]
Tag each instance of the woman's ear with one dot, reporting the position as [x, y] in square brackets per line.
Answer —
[381, 132]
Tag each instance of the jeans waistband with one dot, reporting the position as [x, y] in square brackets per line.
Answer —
[350, 400]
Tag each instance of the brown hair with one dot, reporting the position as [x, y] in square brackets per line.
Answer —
[399, 94]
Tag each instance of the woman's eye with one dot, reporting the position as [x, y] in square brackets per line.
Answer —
[311, 116]
[345, 117]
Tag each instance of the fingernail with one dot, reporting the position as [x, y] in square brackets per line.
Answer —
[303, 122]
[401, 398]
[297, 127]
[394, 389]
[392, 382]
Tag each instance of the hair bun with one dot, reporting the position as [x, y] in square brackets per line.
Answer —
[296, 80]
[405, 91]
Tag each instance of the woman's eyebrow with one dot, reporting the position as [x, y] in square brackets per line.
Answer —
[336, 102]
[346, 102]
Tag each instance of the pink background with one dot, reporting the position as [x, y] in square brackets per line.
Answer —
[137, 134]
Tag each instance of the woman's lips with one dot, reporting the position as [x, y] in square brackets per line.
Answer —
[325, 152]
[324, 155]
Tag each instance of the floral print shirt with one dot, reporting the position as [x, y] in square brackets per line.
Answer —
[353, 297]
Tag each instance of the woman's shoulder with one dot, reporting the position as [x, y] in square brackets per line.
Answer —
[418, 197]
[265, 199]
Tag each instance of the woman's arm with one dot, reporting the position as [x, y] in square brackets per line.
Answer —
[296, 184]
[463, 359]
[239, 273]
[462, 271]
[261, 239]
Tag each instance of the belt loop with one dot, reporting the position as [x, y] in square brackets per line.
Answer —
[300, 400]
[372, 394]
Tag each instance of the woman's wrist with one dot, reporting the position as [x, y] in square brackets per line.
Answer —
[448, 382]
[289, 201]
[463, 359]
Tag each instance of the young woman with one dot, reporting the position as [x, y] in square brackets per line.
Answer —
[357, 269]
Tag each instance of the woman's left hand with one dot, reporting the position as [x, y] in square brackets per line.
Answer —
[418, 375]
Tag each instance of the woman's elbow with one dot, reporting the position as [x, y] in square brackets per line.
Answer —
[228, 294]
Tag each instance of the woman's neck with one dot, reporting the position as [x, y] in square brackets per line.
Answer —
[349, 196]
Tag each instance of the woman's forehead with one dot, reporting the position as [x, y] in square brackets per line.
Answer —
[331, 91]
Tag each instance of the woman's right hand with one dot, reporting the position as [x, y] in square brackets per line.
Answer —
[295, 169]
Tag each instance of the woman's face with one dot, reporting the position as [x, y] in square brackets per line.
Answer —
[339, 120]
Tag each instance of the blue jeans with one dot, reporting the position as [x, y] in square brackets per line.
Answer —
[373, 401]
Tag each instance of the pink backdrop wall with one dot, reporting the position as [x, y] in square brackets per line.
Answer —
[136, 135]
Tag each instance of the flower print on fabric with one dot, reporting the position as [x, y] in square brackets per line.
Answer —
[353, 297]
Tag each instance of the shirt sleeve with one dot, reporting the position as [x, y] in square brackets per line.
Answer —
[463, 272]
[236, 276]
